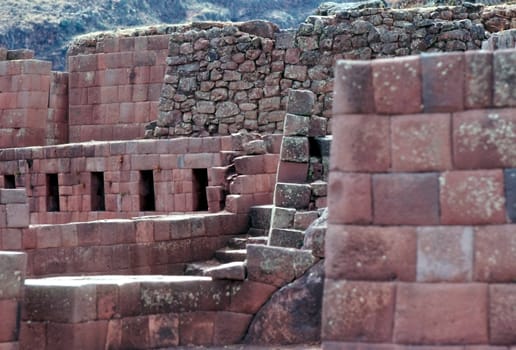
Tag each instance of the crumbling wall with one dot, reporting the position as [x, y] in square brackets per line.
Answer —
[421, 202]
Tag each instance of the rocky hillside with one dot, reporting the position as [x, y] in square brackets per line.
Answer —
[47, 26]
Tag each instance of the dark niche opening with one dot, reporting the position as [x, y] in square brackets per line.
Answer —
[147, 197]
[200, 182]
[52, 192]
[98, 199]
[9, 181]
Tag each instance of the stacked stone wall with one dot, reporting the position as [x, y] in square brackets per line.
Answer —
[33, 101]
[421, 202]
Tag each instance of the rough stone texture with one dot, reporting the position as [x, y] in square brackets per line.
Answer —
[406, 199]
[371, 253]
[301, 102]
[248, 296]
[230, 271]
[432, 314]
[296, 125]
[292, 195]
[293, 314]
[443, 82]
[397, 85]
[283, 217]
[315, 235]
[351, 199]
[368, 308]
[444, 254]
[504, 67]
[295, 149]
[510, 193]
[478, 79]
[484, 139]
[494, 254]
[12, 275]
[354, 138]
[421, 142]
[502, 315]
[275, 265]
[260, 216]
[472, 197]
[354, 82]
[286, 238]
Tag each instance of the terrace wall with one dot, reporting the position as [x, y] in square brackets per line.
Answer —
[421, 202]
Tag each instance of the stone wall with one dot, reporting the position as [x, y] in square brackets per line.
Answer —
[29, 113]
[223, 78]
[421, 202]
[11, 295]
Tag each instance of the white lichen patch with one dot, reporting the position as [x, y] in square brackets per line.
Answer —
[500, 136]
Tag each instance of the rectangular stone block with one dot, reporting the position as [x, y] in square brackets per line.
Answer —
[18, 215]
[292, 195]
[11, 196]
[406, 199]
[421, 142]
[87, 335]
[286, 238]
[350, 198]
[472, 197]
[9, 321]
[494, 253]
[292, 172]
[361, 143]
[13, 267]
[300, 102]
[502, 315]
[296, 125]
[504, 69]
[358, 311]
[371, 253]
[483, 139]
[250, 165]
[354, 92]
[397, 85]
[478, 79]
[444, 254]
[295, 149]
[443, 82]
[433, 314]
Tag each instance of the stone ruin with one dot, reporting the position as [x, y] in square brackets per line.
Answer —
[174, 187]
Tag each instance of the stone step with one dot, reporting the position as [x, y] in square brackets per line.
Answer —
[238, 242]
[226, 255]
[258, 240]
[197, 268]
[253, 231]
[231, 271]
[287, 238]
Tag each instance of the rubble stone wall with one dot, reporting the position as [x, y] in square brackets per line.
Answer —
[422, 202]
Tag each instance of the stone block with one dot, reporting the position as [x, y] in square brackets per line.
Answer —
[444, 254]
[260, 216]
[358, 311]
[32, 335]
[350, 198]
[432, 314]
[303, 219]
[478, 79]
[443, 82]
[292, 172]
[11, 196]
[397, 85]
[283, 217]
[406, 199]
[286, 238]
[502, 315]
[248, 296]
[421, 142]
[318, 126]
[371, 253]
[135, 332]
[250, 165]
[504, 69]
[18, 215]
[301, 102]
[494, 253]
[296, 125]
[9, 321]
[510, 193]
[483, 139]
[276, 265]
[354, 92]
[361, 143]
[292, 195]
[472, 197]
[59, 303]
[87, 335]
[231, 271]
[230, 327]
[13, 274]
[295, 149]
[163, 330]
[196, 328]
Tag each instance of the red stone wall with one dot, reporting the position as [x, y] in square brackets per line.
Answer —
[57, 122]
[115, 88]
[421, 198]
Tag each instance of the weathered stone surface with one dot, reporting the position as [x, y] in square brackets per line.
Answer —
[276, 265]
[283, 217]
[504, 67]
[301, 102]
[255, 147]
[12, 275]
[315, 235]
[293, 314]
[478, 79]
[295, 149]
[230, 271]
[296, 125]
[286, 238]
[292, 195]
[510, 193]
[502, 316]
[261, 216]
